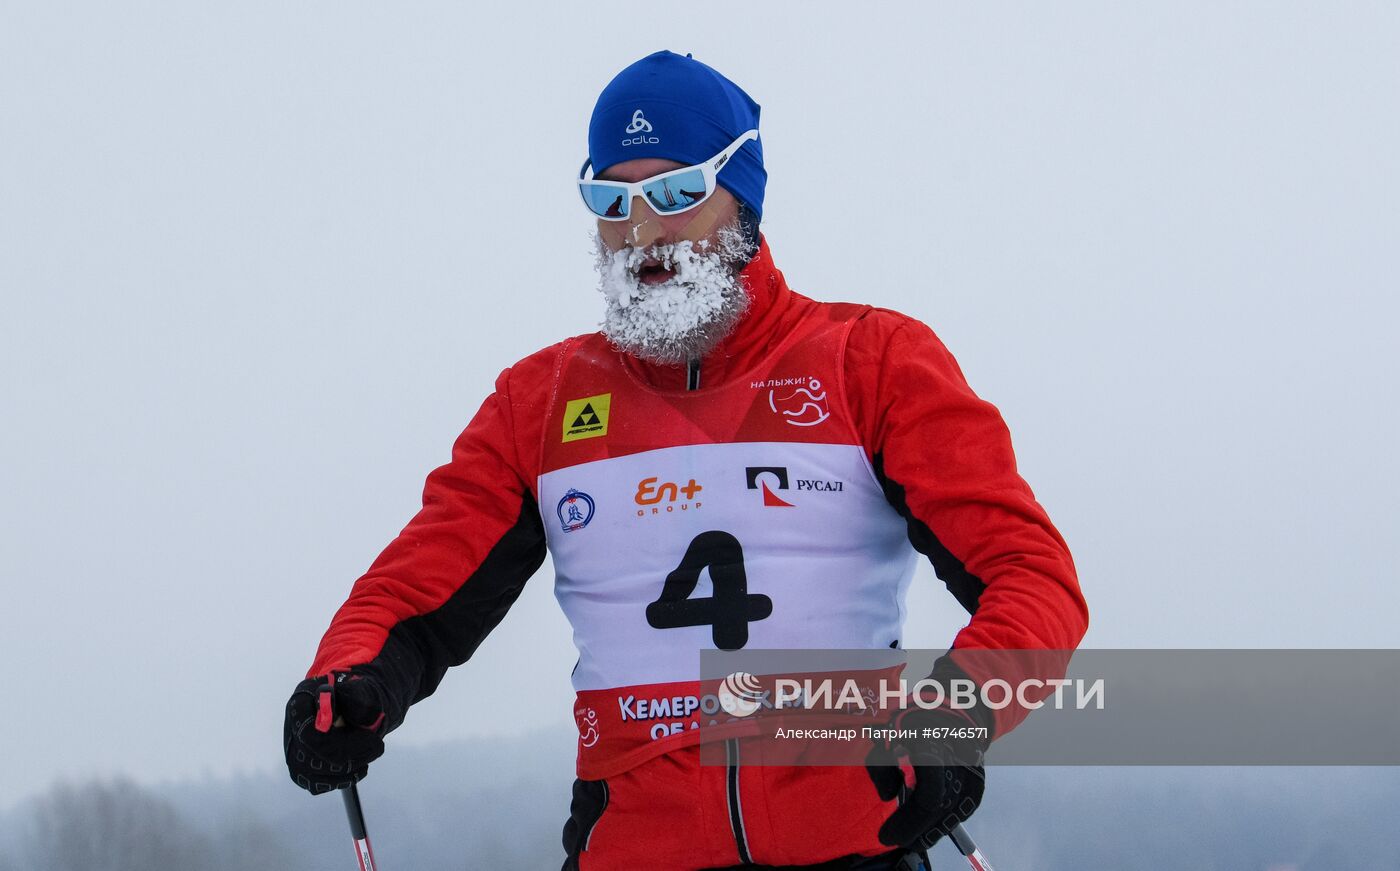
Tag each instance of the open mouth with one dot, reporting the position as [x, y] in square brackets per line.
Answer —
[654, 273]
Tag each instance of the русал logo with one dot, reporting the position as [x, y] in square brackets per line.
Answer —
[575, 510]
[779, 474]
[587, 418]
[759, 478]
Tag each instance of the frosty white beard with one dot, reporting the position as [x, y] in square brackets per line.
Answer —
[684, 317]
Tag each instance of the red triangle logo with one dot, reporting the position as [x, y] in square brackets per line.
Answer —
[771, 500]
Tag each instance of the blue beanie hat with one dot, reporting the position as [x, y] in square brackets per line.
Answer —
[676, 108]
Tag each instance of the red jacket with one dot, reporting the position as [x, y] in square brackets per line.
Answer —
[864, 398]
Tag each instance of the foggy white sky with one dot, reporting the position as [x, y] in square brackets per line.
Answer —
[260, 262]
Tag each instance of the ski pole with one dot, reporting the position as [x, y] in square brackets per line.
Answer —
[363, 851]
[963, 841]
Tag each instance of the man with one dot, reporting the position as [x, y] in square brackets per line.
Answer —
[798, 452]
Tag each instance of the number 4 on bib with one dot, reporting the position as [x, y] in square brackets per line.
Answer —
[732, 607]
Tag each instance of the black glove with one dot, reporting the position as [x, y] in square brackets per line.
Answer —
[333, 731]
[948, 777]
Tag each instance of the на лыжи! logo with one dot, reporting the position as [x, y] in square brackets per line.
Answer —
[587, 726]
[803, 405]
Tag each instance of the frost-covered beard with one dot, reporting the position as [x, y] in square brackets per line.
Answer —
[684, 317]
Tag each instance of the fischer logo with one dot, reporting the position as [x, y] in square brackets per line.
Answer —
[798, 401]
[759, 477]
[651, 495]
[640, 125]
[586, 417]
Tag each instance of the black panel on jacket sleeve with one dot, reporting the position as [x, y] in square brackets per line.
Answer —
[420, 650]
[964, 585]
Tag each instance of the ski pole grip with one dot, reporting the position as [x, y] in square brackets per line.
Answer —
[354, 812]
[962, 840]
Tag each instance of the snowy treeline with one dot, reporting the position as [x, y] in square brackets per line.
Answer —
[501, 805]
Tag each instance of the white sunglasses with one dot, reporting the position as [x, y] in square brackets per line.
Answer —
[669, 193]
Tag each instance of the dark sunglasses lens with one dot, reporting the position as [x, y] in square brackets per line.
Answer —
[605, 200]
[672, 193]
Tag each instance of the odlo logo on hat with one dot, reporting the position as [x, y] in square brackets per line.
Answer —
[640, 125]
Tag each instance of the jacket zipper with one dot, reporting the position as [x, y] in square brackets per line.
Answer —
[731, 746]
[736, 811]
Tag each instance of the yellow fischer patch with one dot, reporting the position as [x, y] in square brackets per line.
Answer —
[586, 418]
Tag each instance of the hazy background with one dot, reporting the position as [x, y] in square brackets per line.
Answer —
[260, 263]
